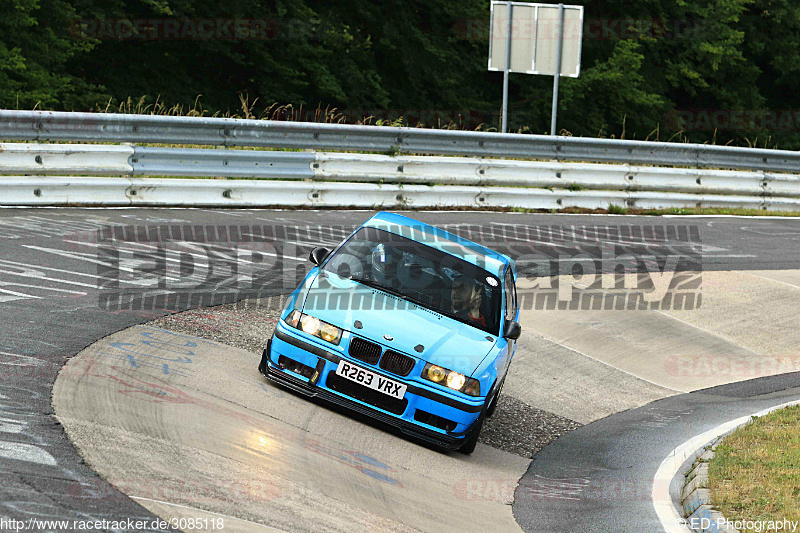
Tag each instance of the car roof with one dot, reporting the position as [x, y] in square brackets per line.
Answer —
[443, 240]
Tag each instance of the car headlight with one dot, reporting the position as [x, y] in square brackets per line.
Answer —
[436, 373]
[455, 380]
[330, 333]
[314, 326]
[293, 318]
[452, 379]
[310, 325]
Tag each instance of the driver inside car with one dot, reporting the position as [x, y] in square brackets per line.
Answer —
[384, 265]
[465, 300]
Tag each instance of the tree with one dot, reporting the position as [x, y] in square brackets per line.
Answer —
[35, 45]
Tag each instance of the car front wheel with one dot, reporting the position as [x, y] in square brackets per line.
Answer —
[472, 440]
[262, 366]
[493, 405]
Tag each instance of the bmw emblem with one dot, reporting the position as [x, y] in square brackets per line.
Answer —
[388, 337]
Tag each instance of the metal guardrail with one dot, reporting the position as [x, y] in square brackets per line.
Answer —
[546, 174]
[149, 129]
[101, 191]
[105, 160]
[147, 161]
[88, 159]
[293, 179]
[326, 179]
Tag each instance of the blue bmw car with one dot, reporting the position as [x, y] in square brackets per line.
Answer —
[404, 322]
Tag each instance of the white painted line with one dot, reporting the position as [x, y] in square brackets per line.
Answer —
[25, 361]
[28, 286]
[609, 365]
[698, 328]
[25, 452]
[773, 280]
[8, 425]
[670, 519]
[35, 274]
[19, 296]
[757, 217]
[662, 313]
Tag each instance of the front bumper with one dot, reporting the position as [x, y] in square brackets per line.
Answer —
[324, 362]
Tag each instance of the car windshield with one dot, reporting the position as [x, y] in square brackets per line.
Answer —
[426, 276]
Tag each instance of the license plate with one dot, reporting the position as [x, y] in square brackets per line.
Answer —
[370, 379]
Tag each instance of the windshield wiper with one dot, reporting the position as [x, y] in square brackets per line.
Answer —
[380, 286]
[400, 294]
[452, 315]
[391, 290]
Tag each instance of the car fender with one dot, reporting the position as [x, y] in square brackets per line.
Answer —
[488, 372]
[297, 298]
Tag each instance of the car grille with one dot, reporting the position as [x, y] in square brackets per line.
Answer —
[396, 363]
[366, 351]
[366, 395]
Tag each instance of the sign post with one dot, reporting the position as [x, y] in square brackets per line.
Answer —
[559, 54]
[535, 39]
[509, 9]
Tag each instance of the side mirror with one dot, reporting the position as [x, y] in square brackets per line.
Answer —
[318, 255]
[512, 330]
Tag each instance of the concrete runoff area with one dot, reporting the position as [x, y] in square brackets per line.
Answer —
[745, 328]
[197, 431]
[212, 434]
[757, 310]
[562, 381]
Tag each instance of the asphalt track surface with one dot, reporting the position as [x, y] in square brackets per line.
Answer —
[589, 480]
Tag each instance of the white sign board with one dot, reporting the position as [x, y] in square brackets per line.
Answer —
[534, 38]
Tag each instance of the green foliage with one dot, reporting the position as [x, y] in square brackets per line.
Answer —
[694, 70]
[619, 84]
[35, 47]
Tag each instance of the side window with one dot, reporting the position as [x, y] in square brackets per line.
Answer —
[511, 296]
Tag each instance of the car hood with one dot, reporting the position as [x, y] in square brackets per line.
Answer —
[446, 342]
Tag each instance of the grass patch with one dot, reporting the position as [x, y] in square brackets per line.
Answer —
[713, 211]
[618, 210]
[755, 473]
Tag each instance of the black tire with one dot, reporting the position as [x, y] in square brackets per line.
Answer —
[493, 405]
[472, 440]
[469, 444]
[262, 366]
